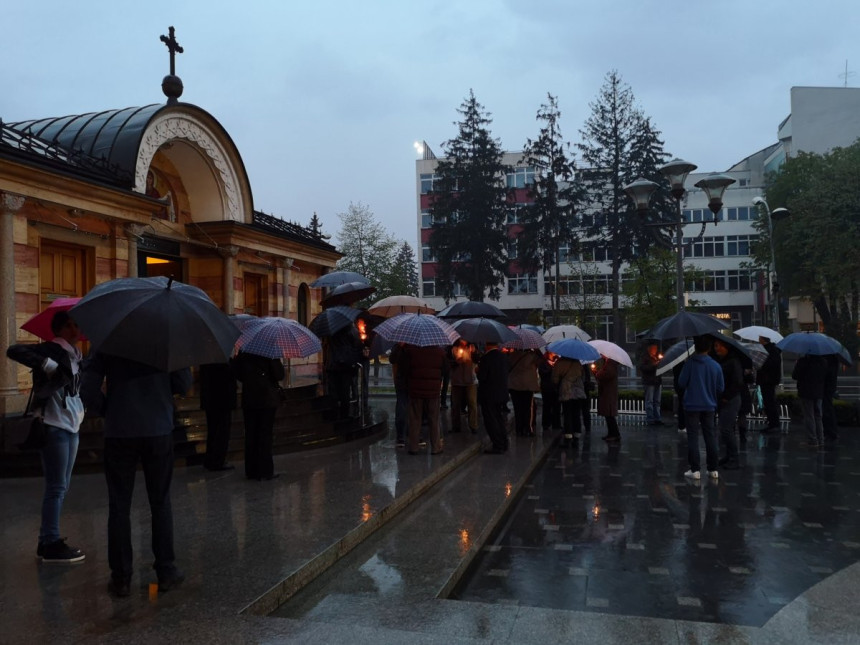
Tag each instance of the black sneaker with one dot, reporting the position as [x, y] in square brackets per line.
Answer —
[170, 580]
[60, 553]
[119, 587]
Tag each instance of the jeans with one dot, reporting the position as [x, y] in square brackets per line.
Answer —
[702, 421]
[121, 456]
[468, 395]
[728, 415]
[58, 459]
[653, 394]
[417, 409]
[812, 420]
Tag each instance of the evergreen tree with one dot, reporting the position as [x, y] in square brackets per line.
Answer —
[619, 144]
[403, 278]
[316, 227]
[367, 247]
[548, 220]
[469, 239]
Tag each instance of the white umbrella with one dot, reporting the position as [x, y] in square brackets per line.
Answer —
[756, 331]
[613, 351]
[560, 332]
[394, 305]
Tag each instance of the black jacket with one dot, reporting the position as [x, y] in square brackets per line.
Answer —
[770, 373]
[44, 386]
[260, 378]
[810, 372]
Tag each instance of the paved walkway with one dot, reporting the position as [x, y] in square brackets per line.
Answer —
[246, 548]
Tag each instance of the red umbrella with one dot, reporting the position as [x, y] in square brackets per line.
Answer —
[40, 324]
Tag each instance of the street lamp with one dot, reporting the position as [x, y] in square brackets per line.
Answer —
[775, 215]
[676, 172]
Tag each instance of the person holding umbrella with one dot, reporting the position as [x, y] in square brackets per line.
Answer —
[56, 381]
[522, 384]
[567, 374]
[810, 372]
[702, 380]
[464, 386]
[493, 397]
[423, 367]
[607, 398]
[768, 377]
[729, 403]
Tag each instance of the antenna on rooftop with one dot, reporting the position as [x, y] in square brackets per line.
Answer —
[846, 74]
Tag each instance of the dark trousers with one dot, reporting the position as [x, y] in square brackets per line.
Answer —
[702, 423]
[771, 407]
[218, 422]
[828, 418]
[682, 419]
[494, 423]
[550, 409]
[340, 387]
[612, 427]
[524, 412]
[121, 457]
[258, 442]
[572, 410]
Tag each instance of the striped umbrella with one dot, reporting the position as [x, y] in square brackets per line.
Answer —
[527, 339]
[278, 338]
[418, 329]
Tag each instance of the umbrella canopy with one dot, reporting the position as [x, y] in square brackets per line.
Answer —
[755, 332]
[574, 348]
[757, 351]
[332, 320]
[155, 321]
[743, 352]
[337, 278]
[472, 309]
[484, 330]
[40, 324]
[394, 305]
[347, 293]
[526, 339]
[380, 345]
[613, 351]
[535, 328]
[677, 353]
[243, 320]
[685, 323]
[418, 329]
[559, 332]
[275, 337]
[805, 342]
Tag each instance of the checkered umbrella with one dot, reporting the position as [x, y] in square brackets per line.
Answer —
[243, 320]
[526, 339]
[278, 338]
[418, 329]
[332, 320]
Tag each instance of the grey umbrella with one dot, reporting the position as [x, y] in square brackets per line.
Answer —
[156, 321]
[471, 309]
[684, 324]
[337, 278]
[484, 330]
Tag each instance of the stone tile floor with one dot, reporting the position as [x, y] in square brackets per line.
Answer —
[619, 530]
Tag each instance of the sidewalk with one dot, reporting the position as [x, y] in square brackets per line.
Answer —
[245, 546]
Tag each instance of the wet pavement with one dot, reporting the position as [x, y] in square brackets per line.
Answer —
[395, 531]
[619, 530]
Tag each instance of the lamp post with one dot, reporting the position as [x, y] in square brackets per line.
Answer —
[773, 292]
[676, 172]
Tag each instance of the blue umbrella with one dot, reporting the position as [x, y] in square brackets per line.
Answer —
[804, 342]
[278, 338]
[418, 329]
[574, 348]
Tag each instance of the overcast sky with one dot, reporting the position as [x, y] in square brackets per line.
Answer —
[325, 98]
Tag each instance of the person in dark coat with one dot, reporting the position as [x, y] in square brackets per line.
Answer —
[423, 367]
[729, 404]
[345, 352]
[137, 403]
[218, 399]
[652, 383]
[261, 396]
[56, 380]
[768, 377]
[828, 412]
[607, 398]
[810, 373]
[702, 380]
[492, 373]
[401, 392]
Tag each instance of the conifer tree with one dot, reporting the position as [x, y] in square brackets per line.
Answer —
[367, 247]
[468, 200]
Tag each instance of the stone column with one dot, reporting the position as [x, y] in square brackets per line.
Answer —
[288, 267]
[228, 253]
[133, 232]
[9, 206]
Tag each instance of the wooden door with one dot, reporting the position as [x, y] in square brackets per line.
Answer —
[62, 272]
[255, 292]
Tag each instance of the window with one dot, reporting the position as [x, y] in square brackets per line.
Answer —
[428, 287]
[602, 325]
[427, 180]
[597, 284]
[704, 247]
[514, 215]
[520, 177]
[739, 244]
[519, 284]
[566, 286]
[427, 254]
[738, 280]
[564, 253]
[426, 218]
[512, 249]
[740, 214]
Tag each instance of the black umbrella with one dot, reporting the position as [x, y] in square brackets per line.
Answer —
[337, 278]
[739, 348]
[471, 309]
[332, 320]
[677, 353]
[155, 321]
[484, 330]
[684, 324]
[347, 293]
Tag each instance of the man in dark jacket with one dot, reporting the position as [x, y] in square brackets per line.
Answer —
[343, 356]
[493, 397]
[218, 399]
[730, 402]
[423, 367]
[137, 404]
[702, 380]
[810, 372]
[768, 377]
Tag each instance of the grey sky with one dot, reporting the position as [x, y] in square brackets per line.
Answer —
[324, 99]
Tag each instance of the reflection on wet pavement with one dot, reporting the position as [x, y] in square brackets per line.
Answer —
[619, 530]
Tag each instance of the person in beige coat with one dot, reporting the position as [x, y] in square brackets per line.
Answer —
[523, 382]
[567, 373]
